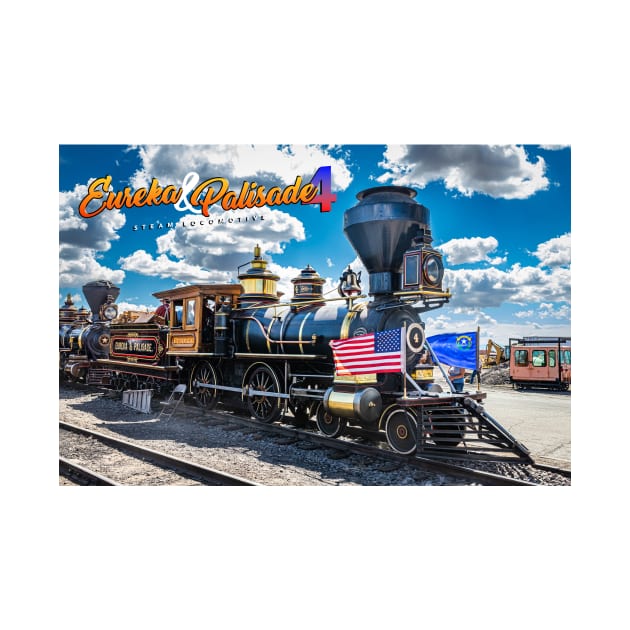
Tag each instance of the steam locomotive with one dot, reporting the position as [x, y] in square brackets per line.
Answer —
[239, 344]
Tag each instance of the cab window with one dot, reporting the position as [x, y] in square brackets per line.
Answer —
[552, 358]
[520, 357]
[539, 358]
[190, 312]
[178, 307]
[207, 319]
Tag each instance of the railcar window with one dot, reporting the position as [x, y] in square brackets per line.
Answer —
[190, 312]
[566, 357]
[552, 358]
[539, 358]
[520, 357]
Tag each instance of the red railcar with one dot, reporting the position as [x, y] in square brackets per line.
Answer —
[541, 362]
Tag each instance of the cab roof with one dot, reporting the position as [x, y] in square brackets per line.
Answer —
[196, 290]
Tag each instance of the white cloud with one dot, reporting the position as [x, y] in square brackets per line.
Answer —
[212, 251]
[435, 324]
[80, 240]
[163, 267]
[131, 306]
[549, 311]
[96, 233]
[266, 164]
[473, 249]
[82, 267]
[503, 172]
[483, 320]
[555, 251]
[489, 328]
[225, 246]
[554, 147]
[518, 285]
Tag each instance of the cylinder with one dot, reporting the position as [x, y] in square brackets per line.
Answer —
[363, 404]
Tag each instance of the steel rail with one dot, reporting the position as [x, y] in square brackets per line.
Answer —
[71, 470]
[422, 463]
[214, 477]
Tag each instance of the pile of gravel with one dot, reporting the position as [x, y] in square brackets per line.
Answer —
[496, 375]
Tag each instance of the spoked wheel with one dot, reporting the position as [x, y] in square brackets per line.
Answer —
[401, 429]
[204, 374]
[118, 382]
[329, 425]
[263, 407]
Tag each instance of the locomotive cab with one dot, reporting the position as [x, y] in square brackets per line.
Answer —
[196, 317]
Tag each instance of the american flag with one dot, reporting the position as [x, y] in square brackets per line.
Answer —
[368, 354]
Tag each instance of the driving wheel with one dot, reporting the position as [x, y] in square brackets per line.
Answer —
[263, 405]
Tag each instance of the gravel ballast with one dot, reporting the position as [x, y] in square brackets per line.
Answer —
[211, 440]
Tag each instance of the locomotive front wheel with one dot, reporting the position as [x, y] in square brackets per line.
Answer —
[401, 429]
[264, 408]
[205, 397]
[329, 425]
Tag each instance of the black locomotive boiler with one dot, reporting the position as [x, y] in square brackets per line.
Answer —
[239, 344]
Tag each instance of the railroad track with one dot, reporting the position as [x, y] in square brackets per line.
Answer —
[81, 475]
[152, 464]
[482, 472]
[364, 444]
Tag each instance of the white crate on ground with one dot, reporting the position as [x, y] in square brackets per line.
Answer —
[138, 399]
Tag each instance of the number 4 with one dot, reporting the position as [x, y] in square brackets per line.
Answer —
[322, 180]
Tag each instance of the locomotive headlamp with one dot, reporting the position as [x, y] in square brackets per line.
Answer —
[109, 311]
[422, 269]
[432, 270]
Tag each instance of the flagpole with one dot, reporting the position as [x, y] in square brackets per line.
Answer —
[403, 356]
[437, 362]
[478, 366]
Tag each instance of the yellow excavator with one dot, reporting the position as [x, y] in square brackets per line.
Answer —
[495, 354]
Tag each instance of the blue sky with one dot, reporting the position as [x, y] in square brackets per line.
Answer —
[500, 214]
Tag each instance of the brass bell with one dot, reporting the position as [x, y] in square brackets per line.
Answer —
[350, 283]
